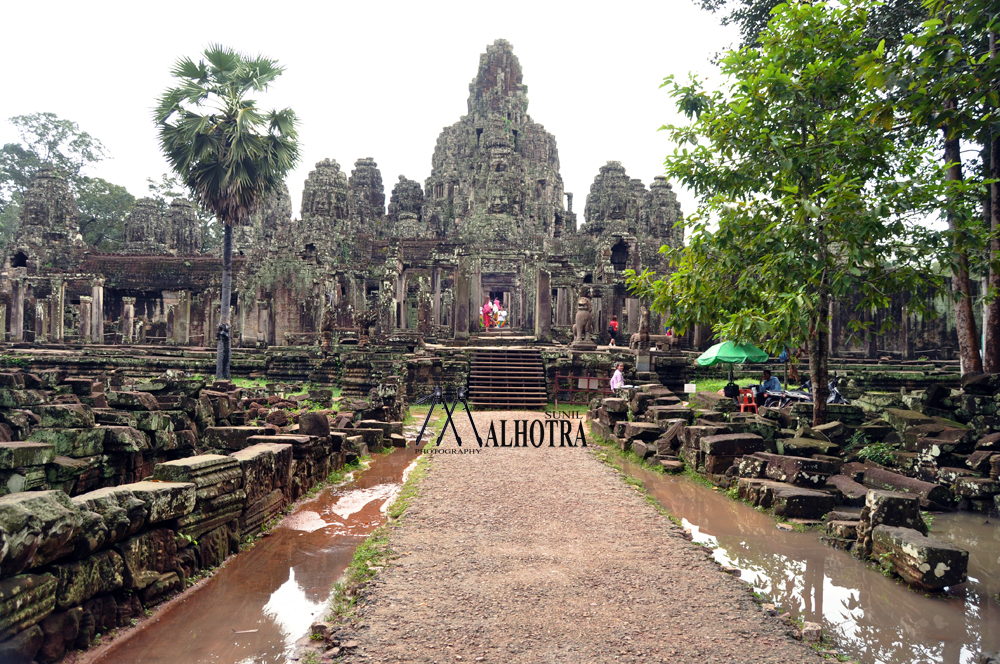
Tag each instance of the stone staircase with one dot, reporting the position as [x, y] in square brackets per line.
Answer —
[503, 378]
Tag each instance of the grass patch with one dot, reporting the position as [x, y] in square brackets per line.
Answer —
[375, 553]
[566, 408]
[418, 414]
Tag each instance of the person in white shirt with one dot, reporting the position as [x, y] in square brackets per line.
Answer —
[501, 316]
[618, 379]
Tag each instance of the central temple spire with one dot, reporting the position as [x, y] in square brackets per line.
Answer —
[497, 88]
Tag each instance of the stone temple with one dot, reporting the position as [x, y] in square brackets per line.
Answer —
[492, 219]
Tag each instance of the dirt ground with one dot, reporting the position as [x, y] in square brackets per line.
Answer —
[545, 555]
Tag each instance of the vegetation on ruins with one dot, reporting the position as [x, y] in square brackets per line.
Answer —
[227, 152]
[805, 199]
[49, 139]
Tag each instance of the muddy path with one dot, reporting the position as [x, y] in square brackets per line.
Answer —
[272, 592]
[537, 555]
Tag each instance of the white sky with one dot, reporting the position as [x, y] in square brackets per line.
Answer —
[367, 79]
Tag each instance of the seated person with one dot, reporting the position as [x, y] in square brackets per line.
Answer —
[769, 384]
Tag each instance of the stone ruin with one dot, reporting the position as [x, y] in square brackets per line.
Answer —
[492, 219]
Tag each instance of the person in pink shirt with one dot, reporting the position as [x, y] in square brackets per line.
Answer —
[487, 310]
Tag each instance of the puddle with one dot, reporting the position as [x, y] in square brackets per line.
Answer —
[872, 619]
[279, 587]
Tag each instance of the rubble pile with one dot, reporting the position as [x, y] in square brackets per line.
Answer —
[113, 500]
[891, 454]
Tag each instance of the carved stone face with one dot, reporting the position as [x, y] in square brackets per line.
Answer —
[583, 304]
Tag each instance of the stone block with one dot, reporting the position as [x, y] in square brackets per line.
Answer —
[842, 529]
[231, 438]
[372, 437]
[142, 401]
[924, 562]
[20, 454]
[147, 556]
[752, 467]
[799, 471]
[74, 443]
[807, 447]
[36, 527]
[25, 600]
[22, 648]
[20, 398]
[165, 500]
[314, 424]
[125, 439]
[115, 418]
[94, 575]
[981, 383]
[122, 513]
[662, 414]
[59, 632]
[643, 449]
[153, 420]
[645, 431]
[693, 435]
[880, 478]
[66, 416]
[614, 406]
[901, 420]
[160, 589]
[257, 463]
[977, 488]
[718, 464]
[852, 493]
[980, 461]
[731, 444]
[794, 502]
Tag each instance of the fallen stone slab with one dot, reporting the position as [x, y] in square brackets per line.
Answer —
[132, 401]
[20, 398]
[753, 467]
[852, 493]
[901, 420]
[615, 405]
[68, 416]
[125, 439]
[731, 444]
[642, 449]
[842, 529]
[796, 502]
[879, 478]
[646, 431]
[798, 471]
[716, 464]
[147, 556]
[165, 500]
[807, 447]
[25, 600]
[981, 383]
[977, 488]
[713, 401]
[231, 438]
[924, 562]
[71, 442]
[20, 454]
[36, 527]
[121, 512]
[153, 420]
[672, 465]
[980, 461]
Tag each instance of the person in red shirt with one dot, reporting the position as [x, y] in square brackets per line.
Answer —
[613, 330]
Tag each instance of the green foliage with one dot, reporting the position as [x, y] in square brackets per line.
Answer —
[879, 453]
[48, 139]
[103, 208]
[225, 150]
[804, 198]
[857, 439]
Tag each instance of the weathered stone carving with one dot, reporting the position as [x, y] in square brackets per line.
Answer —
[584, 325]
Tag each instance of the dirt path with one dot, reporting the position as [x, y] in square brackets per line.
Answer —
[544, 555]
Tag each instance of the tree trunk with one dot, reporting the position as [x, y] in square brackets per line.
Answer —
[991, 317]
[225, 343]
[818, 354]
[965, 321]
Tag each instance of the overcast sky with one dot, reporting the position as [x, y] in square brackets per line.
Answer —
[367, 79]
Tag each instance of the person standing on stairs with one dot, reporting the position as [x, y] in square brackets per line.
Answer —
[487, 310]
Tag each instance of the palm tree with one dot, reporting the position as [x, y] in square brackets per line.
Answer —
[228, 153]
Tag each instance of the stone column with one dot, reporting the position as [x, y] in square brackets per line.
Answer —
[264, 322]
[182, 318]
[86, 303]
[41, 320]
[128, 319]
[97, 312]
[17, 311]
[436, 278]
[632, 306]
[543, 306]
[562, 312]
[57, 310]
[463, 296]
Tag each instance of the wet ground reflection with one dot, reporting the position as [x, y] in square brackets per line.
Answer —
[873, 619]
[279, 587]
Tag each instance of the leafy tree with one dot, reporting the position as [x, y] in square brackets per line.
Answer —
[167, 189]
[229, 153]
[45, 139]
[888, 21]
[805, 200]
[103, 208]
[944, 80]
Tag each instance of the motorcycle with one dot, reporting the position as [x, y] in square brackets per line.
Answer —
[802, 395]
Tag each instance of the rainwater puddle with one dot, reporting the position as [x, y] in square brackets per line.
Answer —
[279, 587]
[872, 619]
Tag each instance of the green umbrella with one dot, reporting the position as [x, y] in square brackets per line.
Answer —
[731, 354]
